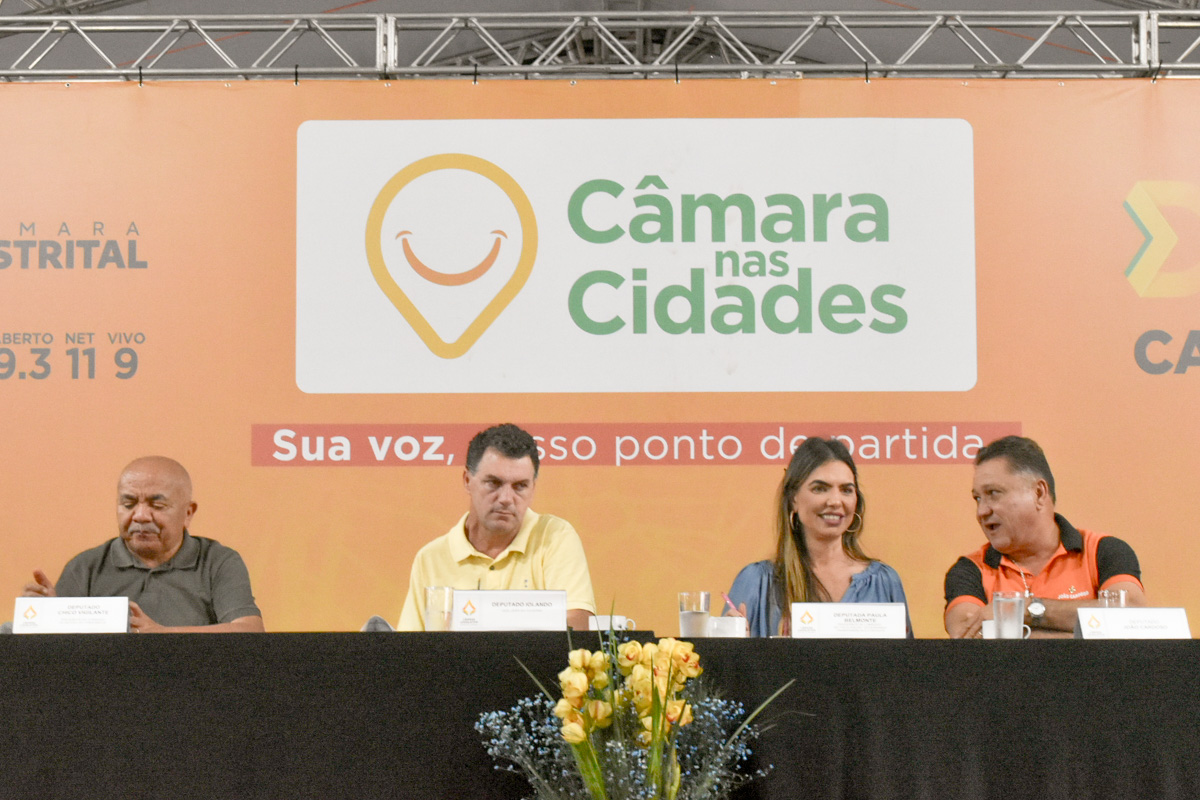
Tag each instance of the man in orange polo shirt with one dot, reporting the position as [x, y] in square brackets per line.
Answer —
[1031, 549]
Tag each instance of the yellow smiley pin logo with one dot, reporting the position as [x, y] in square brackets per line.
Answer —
[413, 260]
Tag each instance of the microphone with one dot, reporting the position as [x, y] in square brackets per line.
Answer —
[6, 627]
[375, 624]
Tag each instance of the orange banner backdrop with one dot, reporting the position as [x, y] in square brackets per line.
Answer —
[173, 331]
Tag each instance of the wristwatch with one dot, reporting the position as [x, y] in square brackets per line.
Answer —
[1037, 612]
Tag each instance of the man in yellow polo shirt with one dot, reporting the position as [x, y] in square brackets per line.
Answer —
[500, 543]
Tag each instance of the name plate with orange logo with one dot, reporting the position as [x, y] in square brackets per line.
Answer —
[1132, 623]
[479, 610]
[71, 615]
[848, 621]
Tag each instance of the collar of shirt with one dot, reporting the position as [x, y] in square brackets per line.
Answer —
[187, 557]
[462, 550]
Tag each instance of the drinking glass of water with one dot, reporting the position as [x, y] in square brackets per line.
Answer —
[693, 614]
[439, 607]
[1008, 610]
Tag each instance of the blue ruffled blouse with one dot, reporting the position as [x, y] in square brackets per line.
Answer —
[878, 583]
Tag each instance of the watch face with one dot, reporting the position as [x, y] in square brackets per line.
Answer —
[1037, 608]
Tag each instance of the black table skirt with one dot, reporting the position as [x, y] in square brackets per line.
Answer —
[339, 715]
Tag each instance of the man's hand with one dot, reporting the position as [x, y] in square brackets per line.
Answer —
[41, 586]
[965, 620]
[140, 621]
[577, 618]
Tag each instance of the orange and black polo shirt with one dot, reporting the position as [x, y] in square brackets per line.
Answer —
[1084, 563]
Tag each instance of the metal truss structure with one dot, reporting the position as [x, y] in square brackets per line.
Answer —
[89, 6]
[31, 7]
[1176, 5]
[657, 45]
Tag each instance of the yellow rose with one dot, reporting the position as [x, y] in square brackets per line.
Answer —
[679, 712]
[601, 681]
[642, 699]
[574, 717]
[597, 663]
[574, 684]
[600, 712]
[676, 648]
[649, 652]
[578, 659]
[573, 733]
[687, 662]
[628, 654]
[563, 707]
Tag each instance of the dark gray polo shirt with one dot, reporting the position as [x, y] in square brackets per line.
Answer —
[205, 583]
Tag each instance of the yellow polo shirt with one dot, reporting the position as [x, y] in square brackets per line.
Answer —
[546, 554]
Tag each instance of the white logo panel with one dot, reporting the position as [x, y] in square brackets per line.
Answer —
[635, 255]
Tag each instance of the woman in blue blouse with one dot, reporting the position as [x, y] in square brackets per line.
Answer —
[819, 520]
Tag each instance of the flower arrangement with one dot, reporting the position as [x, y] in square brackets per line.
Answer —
[632, 721]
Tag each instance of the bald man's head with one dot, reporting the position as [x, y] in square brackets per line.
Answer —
[154, 508]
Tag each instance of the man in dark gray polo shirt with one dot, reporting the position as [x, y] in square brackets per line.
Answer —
[175, 582]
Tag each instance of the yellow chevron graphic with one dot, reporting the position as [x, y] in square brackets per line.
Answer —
[1145, 272]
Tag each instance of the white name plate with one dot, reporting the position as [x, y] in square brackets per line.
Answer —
[509, 611]
[848, 621]
[71, 615]
[1132, 623]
